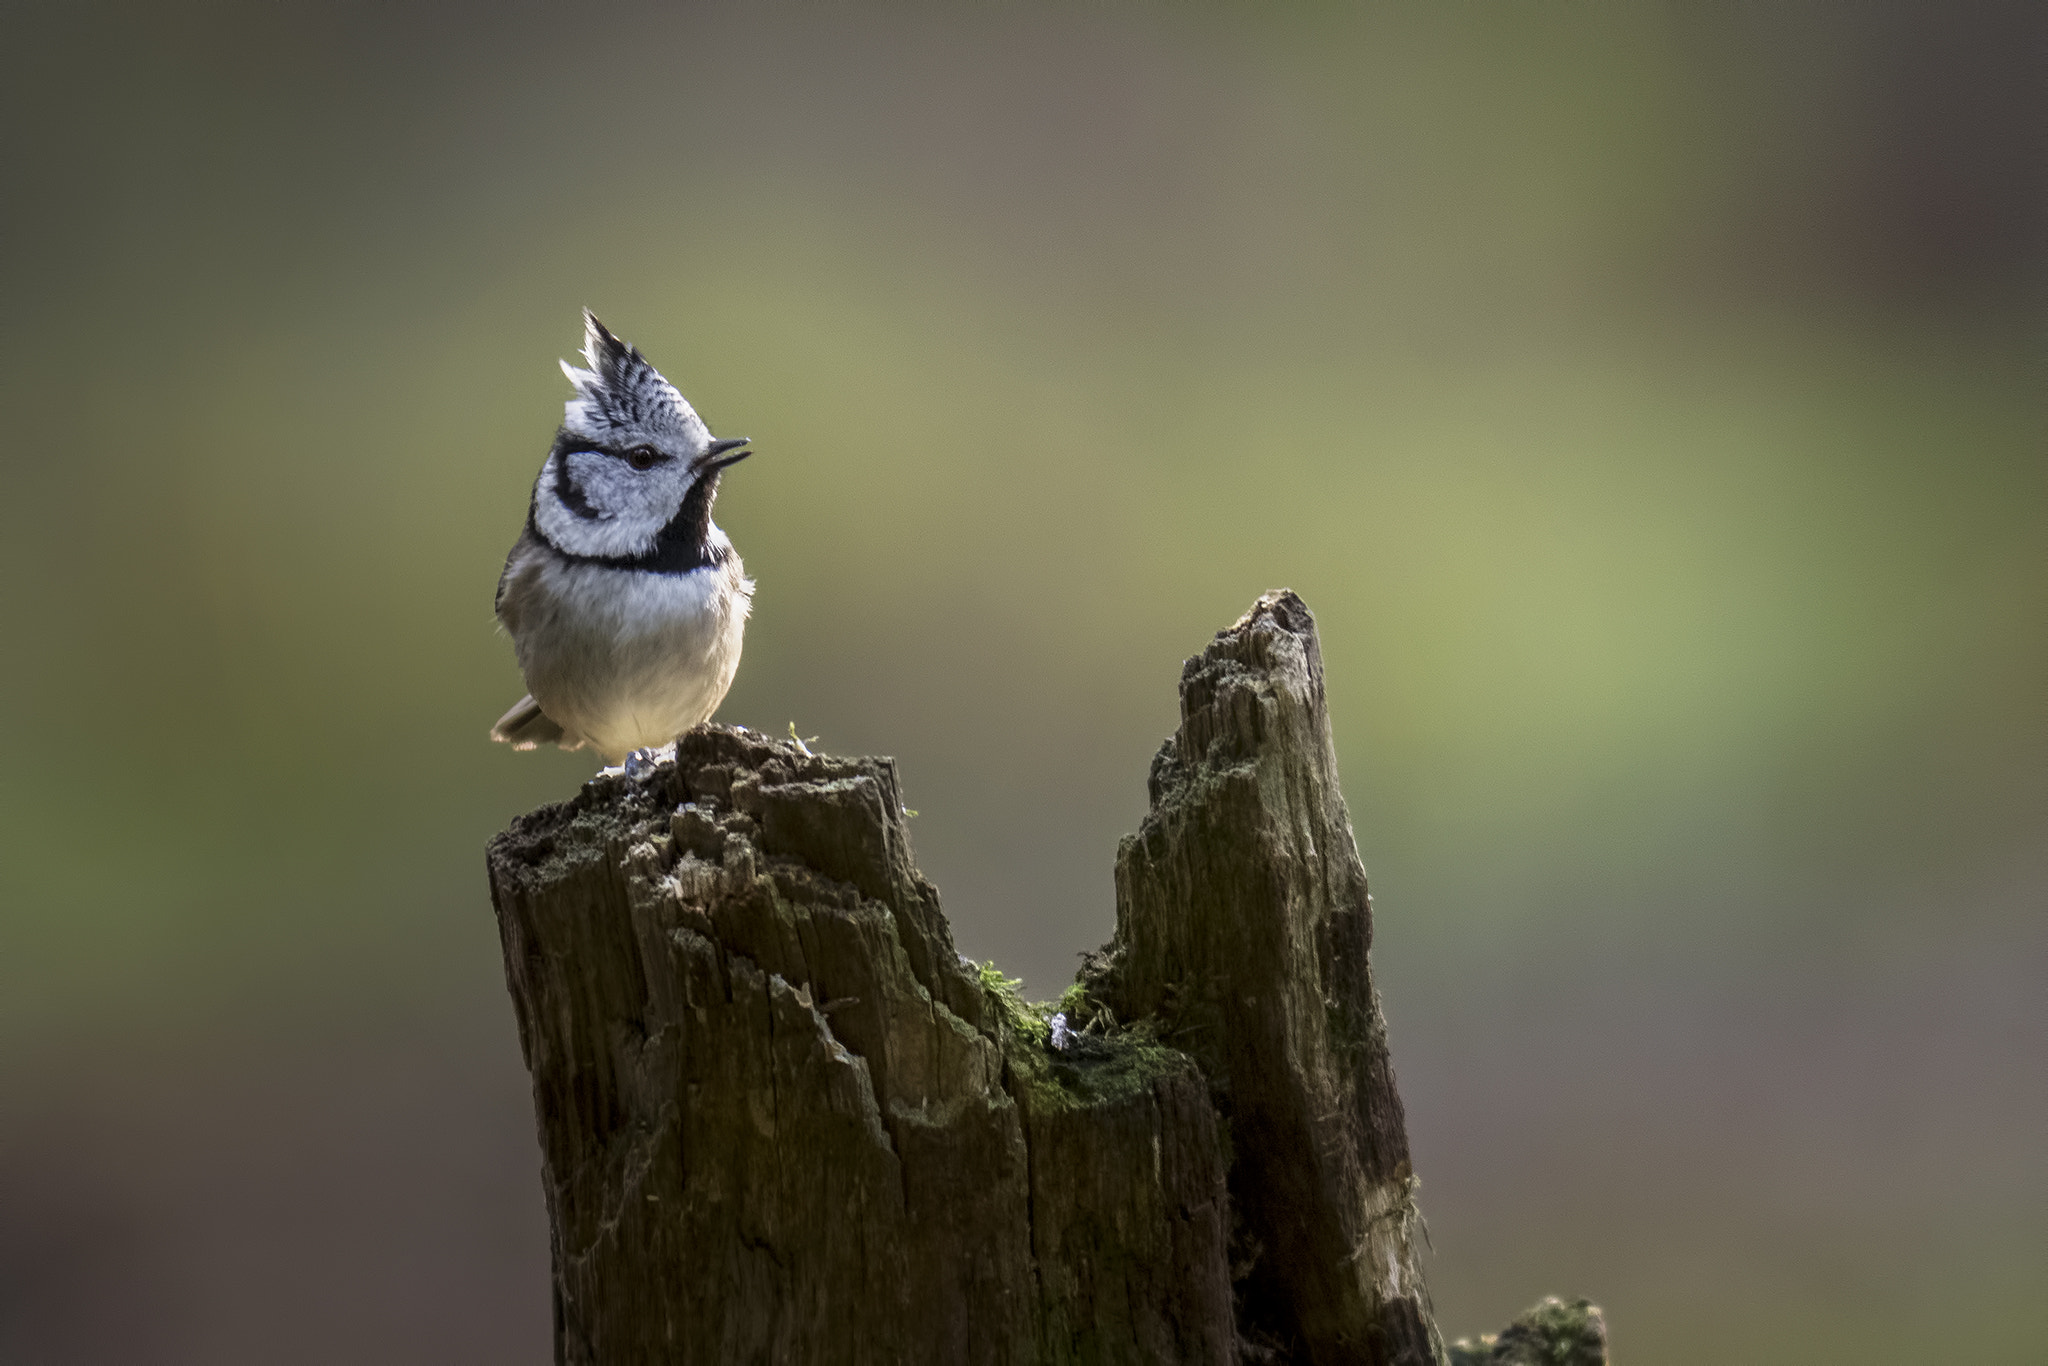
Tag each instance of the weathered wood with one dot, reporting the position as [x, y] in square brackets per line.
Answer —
[1243, 929]
[782, 1121]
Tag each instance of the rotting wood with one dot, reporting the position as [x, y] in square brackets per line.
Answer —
[782, 1121]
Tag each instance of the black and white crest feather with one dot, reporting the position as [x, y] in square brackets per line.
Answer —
[621, 395]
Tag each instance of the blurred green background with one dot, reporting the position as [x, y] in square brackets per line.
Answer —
[1647, 399]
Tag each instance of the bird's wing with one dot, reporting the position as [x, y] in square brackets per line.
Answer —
[522, 549]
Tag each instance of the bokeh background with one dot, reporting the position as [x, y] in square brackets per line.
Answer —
[1647, 399]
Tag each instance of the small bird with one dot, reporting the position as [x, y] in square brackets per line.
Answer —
[624, 601]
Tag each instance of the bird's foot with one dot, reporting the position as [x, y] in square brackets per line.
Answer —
[640, 762]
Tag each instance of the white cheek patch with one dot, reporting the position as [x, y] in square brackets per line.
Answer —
[600, 484]
[615, 531]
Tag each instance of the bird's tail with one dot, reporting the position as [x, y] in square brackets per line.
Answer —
[526, 726]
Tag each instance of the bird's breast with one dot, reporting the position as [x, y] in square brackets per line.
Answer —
[627, 658]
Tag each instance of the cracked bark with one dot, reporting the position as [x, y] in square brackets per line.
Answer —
[781, 1121]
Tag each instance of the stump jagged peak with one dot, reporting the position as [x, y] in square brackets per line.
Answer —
[1244, 927]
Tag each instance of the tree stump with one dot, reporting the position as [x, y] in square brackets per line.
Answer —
[781, 1120]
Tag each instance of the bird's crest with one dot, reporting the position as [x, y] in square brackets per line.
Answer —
[620, 392]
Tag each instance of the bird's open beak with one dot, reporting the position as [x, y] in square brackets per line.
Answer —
[719, 454]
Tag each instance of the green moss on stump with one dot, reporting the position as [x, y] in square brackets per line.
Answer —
[1554, 1332]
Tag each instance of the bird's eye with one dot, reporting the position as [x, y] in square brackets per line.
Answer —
[643, 457]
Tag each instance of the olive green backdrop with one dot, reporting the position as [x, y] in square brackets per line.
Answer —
[1648, 400]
